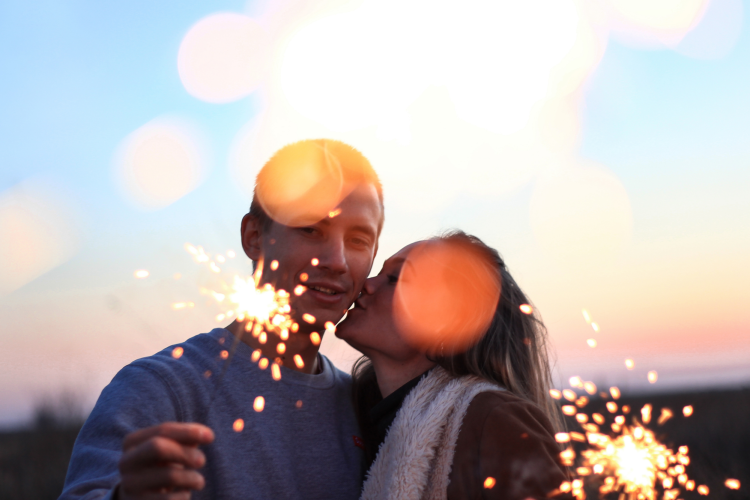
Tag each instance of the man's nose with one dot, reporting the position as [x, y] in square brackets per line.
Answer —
[333, 257]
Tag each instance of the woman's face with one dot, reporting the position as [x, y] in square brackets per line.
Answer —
[370, 327]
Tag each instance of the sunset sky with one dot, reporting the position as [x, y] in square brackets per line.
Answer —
[600, 145]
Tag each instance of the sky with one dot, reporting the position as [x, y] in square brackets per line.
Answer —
[600, 146]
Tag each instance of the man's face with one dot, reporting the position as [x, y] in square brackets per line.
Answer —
[344, 246]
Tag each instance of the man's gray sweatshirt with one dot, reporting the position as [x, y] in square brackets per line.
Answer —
[303, 444]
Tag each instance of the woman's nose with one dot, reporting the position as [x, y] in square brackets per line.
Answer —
[371, 285]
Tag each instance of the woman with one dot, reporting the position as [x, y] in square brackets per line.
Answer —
[470, 422]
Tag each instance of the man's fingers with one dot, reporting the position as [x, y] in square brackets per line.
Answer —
[185, 433]
[159, 450]
[161, 481]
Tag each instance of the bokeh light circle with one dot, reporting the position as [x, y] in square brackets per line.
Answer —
[159, 163]
[302, 184]
[223, 57]
[446, 295]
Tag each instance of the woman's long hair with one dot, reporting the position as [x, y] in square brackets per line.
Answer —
[511, 353]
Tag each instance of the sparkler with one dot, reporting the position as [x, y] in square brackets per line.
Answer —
[262, 309]
[629, 459]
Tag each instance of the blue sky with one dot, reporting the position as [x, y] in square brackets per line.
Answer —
[78, 77]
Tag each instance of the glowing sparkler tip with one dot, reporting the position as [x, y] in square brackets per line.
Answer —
[141, 273]
[259, 403]
[238, 425]
[330, 327]
[687, 411]
[298, 361]
[653, 376]
[314, 261]
[177, 352]
[732, 484]
[489, 483]
[315, 338]
[308, 318]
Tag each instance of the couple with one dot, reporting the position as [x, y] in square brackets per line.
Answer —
[415, 419]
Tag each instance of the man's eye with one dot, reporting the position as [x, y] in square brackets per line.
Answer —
[360, 242]
[392, 278]
[308, 230]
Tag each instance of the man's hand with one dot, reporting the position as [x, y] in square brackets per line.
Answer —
[159, 462]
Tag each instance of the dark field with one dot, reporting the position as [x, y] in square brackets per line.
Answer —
[33, 461]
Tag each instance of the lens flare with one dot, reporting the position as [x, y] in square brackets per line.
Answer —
[447, 295]
[304, 182]
[223, 57]
[159, 163]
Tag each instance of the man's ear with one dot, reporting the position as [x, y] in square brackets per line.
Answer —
[251, 237]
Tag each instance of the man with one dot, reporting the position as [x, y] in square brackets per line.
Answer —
[145, 438]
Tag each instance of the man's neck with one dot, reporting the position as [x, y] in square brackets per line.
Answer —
[297, 343]
[392, 374]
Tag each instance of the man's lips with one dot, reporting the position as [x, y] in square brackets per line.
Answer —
[327, 292]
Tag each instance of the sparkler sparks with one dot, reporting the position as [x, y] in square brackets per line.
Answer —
[259, 403]
[629, 460]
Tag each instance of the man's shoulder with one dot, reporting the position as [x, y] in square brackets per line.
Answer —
[191, 358]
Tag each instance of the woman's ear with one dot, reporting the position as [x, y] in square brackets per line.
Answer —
[251, 237]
